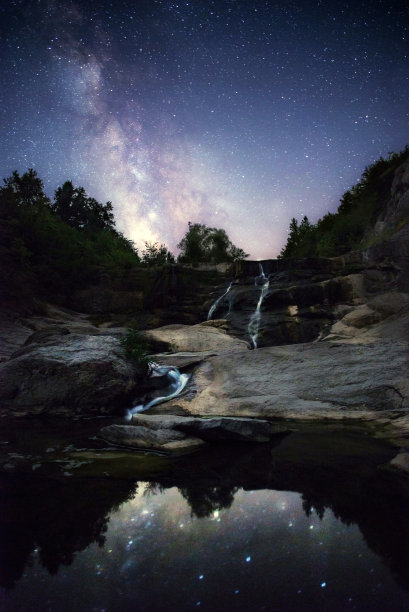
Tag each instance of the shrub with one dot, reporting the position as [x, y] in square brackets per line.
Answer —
[135, 346]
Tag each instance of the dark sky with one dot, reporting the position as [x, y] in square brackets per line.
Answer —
[232, 113]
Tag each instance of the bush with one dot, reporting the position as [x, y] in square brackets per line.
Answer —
[135, 346]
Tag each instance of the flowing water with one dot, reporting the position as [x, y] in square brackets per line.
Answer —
[217, 302]
[176, 383]
[312, 522]
[254, 323]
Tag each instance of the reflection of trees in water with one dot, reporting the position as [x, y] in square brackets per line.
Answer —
[56, 519]
[378, 503]
[308, 505]
[376, 500]
[60, 519]
[203, 501]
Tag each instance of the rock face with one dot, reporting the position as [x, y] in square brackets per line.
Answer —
[70, 374]
[155, 296]
[302, 303]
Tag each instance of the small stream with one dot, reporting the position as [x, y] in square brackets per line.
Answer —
[312, 521]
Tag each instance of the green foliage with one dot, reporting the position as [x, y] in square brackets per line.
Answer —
[359, 208]
[207, 245]
[135, 346]
[27, 189]
[156, 255]
[301, 239]
[75, 208]
[45, 255]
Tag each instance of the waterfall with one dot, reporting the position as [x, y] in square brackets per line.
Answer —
[217, 302]
[261, 275]
[254, 323]
[177, 382]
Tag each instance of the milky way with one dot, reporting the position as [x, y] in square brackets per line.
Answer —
[236, 114]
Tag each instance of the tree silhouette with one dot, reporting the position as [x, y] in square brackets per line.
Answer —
[208, 244]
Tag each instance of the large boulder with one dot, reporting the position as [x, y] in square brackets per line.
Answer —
[70, 374]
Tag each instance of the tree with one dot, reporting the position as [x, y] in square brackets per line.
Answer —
[27, 189]
[74, 207]
[292, 241]
[193, 246]
[301, 239]
[156, 255]
[207, 244]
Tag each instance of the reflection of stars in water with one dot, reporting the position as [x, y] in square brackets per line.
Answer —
[248, 517]
[236, 558]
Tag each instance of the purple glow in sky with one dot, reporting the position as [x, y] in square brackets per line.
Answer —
[232, 113]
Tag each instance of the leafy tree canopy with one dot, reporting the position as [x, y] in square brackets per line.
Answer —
[339, 232]
[208, 244]
[74, 207]
[50, 249]
[156, 254]
[26, 190]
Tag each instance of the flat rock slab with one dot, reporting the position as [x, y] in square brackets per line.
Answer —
[195, 338]
[304, 381]
[171, 433]
[212, 429]
[141, 437]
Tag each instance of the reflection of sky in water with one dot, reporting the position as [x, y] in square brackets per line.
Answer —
[262, 553]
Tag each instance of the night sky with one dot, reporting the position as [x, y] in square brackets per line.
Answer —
[232, 113]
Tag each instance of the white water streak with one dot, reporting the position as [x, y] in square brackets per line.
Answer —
[177, 382]
[254, 323]
[217, 302]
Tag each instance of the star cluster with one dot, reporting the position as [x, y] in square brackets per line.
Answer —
[236, 114]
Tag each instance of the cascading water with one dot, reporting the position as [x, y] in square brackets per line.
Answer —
[177, 382]
[217, 302]
[261, 275]
[254, 323]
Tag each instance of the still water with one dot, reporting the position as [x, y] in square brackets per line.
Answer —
[238, 528]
